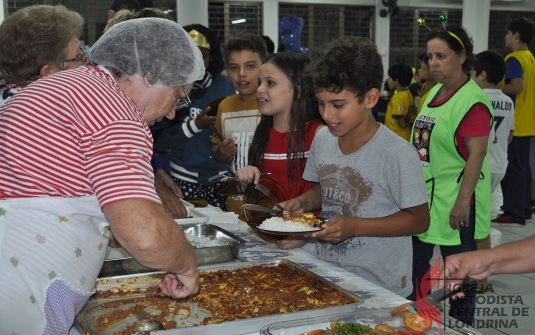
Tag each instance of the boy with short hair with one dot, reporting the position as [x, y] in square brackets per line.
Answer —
[238, 115]
[399, 78]
[488, 72]
[369, 183]
[519, 84]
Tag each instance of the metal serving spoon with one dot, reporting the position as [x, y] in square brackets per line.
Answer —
[145, 327]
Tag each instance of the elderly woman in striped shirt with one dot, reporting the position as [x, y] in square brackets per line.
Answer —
[75, 174]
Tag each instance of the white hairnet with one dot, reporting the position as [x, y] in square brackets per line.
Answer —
[153, 48]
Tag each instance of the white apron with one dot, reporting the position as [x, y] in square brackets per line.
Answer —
[51, 251]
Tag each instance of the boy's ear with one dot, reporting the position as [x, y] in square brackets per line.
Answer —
[483, 75]
[371, 98]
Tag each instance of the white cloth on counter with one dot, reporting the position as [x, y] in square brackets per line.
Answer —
[226, 220]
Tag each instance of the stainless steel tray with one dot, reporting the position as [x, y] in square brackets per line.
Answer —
[370, 317]
[119, 262]
[141, 282]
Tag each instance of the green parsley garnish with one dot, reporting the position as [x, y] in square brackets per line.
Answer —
[349, 329]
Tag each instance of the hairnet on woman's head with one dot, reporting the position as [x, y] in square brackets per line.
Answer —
[156, 49]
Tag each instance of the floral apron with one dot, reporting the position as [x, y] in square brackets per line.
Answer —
[51, 251]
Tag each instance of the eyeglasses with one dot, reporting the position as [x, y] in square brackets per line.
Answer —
[183, 102]
[82, 59]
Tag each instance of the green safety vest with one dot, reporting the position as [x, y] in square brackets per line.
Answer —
[433, 135]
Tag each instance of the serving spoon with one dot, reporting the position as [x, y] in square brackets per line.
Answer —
[145, 327]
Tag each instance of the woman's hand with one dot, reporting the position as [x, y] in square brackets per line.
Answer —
[248, 174]
[170, 200]
[168, 182]
[459, 215]
[180, 285]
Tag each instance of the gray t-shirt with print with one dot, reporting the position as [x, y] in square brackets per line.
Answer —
[377, 180]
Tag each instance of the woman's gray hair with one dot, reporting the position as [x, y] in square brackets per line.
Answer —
[156, 49]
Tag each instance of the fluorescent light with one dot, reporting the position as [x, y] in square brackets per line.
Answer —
[238, 21]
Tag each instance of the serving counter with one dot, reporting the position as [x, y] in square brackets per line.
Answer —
[255, 249]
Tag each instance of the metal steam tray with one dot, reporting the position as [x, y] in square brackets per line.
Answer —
[119, 262]
[84, 321]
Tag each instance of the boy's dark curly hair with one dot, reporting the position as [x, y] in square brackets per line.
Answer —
[349, 63]
[247, 41]
[466, 45]
[217, 64]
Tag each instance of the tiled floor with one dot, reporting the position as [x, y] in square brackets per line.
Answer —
[510, 307]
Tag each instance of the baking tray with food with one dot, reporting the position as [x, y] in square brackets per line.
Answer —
[212, 245]
[358, 323]
[234, 299]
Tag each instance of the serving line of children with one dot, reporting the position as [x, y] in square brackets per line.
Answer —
[367, 181]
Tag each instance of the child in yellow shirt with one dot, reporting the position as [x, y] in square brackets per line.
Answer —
[399, 77]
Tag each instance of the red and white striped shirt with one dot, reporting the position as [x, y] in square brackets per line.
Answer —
[75, 133]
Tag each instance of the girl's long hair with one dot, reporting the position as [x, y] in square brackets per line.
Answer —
[304, 108]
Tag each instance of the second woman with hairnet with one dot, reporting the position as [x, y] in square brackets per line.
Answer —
[84, 175]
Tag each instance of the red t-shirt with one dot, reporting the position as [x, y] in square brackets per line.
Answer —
[475, 123]
[75, 134]
[275, 158]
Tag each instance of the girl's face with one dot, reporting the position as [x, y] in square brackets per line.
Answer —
[275, 92]
[444, 63]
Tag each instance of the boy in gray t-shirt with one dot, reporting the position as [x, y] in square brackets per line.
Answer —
[369, 181]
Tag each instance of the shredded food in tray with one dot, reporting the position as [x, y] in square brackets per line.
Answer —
[228, 295]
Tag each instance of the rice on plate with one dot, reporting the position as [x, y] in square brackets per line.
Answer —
[279, 224]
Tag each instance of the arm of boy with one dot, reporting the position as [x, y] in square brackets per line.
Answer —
[225, 150]
[306, 202]
[248, 174]
[408, 221]
[203, 121]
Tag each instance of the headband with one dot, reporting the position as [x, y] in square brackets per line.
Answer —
[457, 38]
[199, 39]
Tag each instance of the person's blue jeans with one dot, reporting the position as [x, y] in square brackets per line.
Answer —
[460, 309]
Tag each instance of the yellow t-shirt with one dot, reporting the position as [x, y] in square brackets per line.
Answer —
[398, 107]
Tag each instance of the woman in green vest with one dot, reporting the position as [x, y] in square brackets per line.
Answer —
[456, 119]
